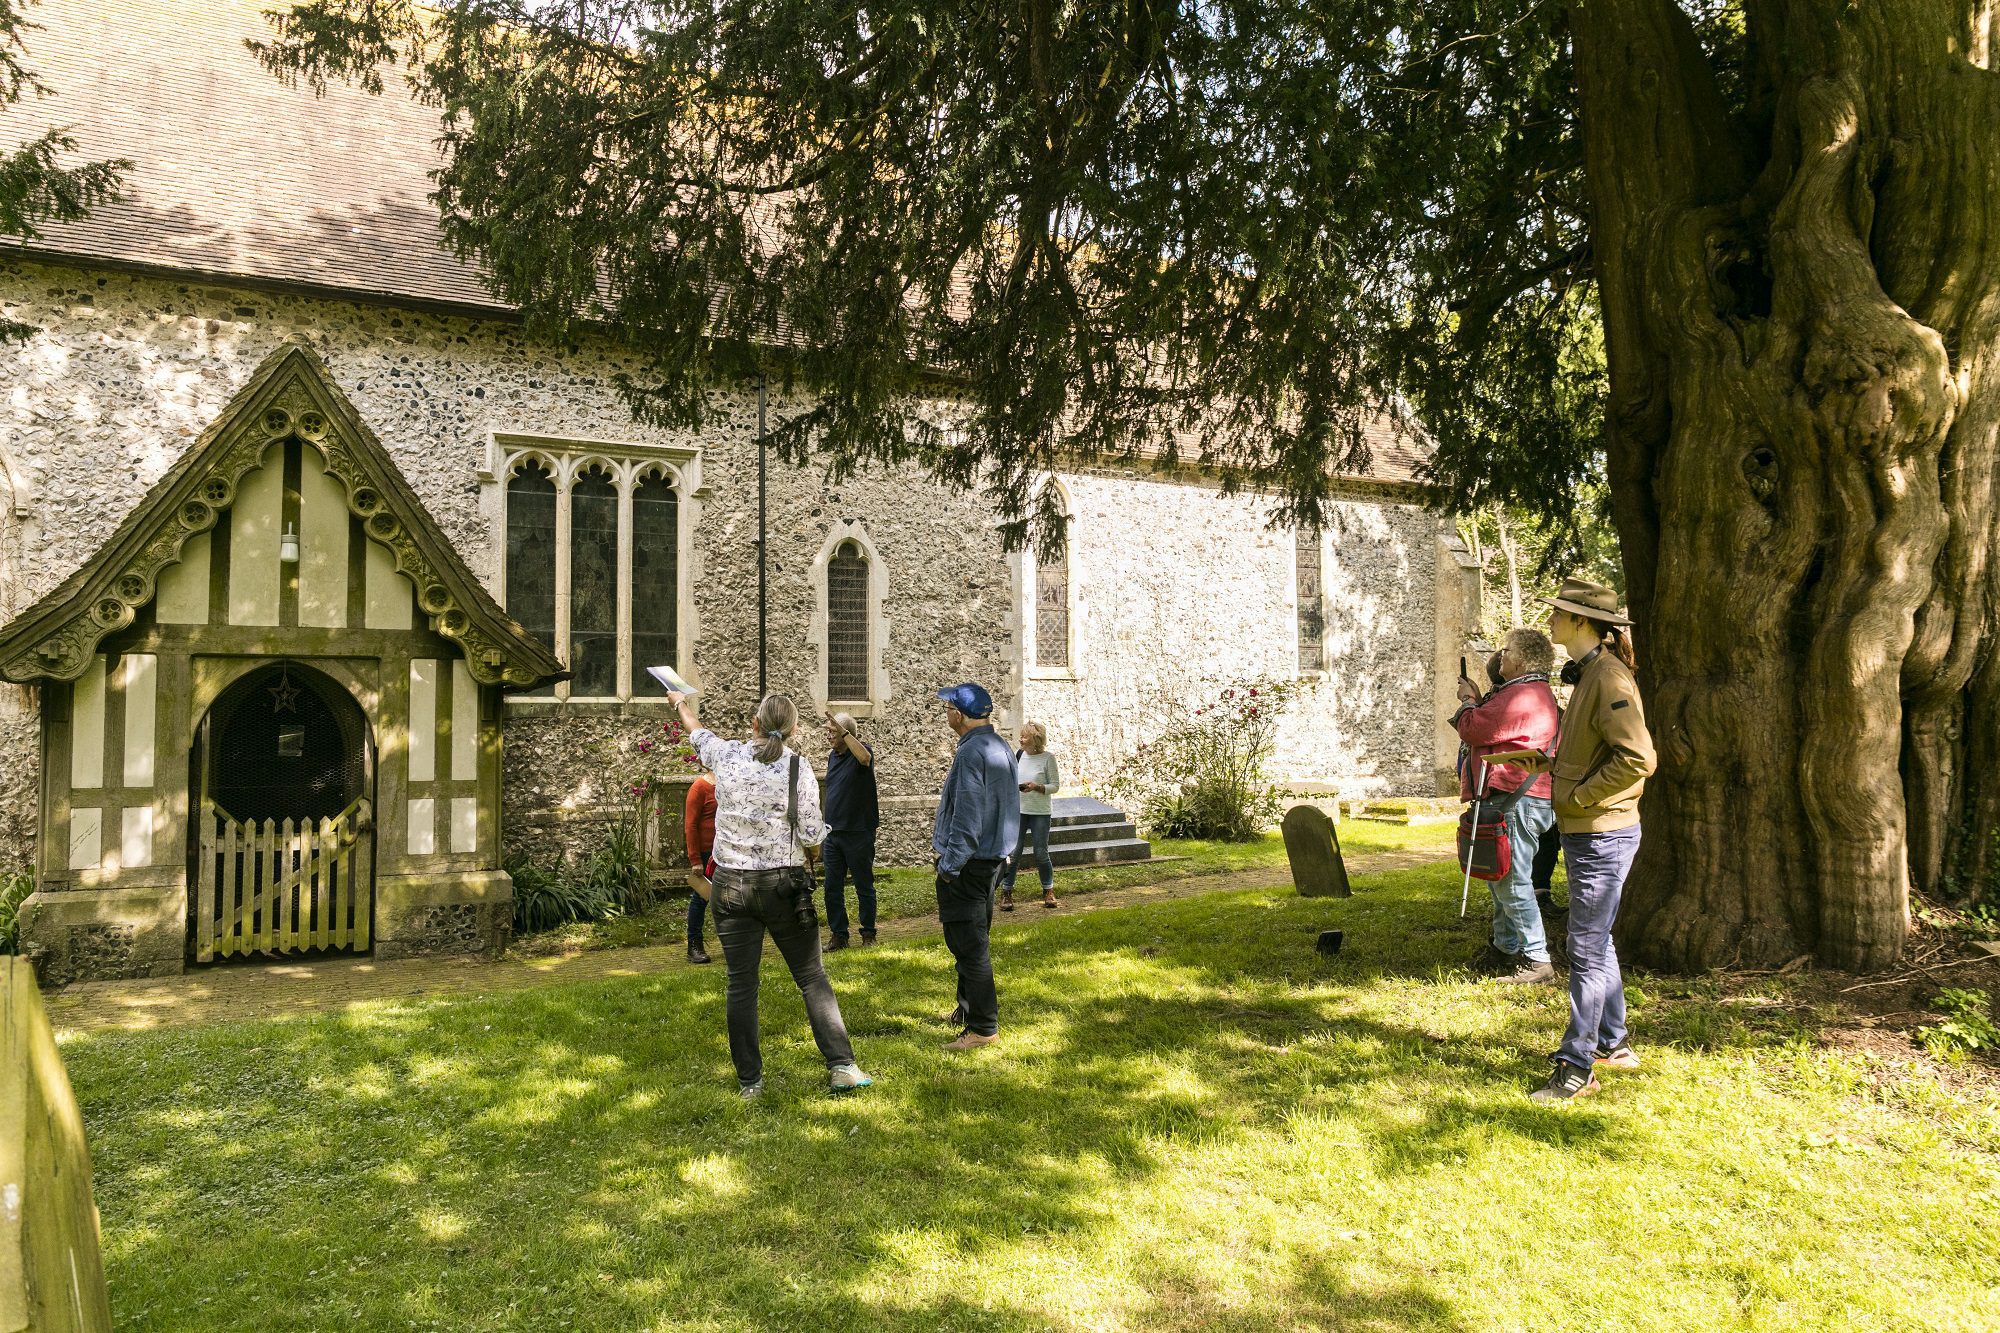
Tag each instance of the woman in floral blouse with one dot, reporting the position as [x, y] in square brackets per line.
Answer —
[766, 815]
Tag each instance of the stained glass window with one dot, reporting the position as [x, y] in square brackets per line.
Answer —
[847, 629]
[655, 580]
[531, 552]
[1052, 613]
[593, 585]
[1312, 615]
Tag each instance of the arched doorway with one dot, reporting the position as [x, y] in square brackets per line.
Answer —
[282, 778]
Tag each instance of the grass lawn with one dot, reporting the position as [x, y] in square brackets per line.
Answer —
[909, 891]
[1192, 1121]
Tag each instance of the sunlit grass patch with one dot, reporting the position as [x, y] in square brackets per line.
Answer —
[1193, 1121]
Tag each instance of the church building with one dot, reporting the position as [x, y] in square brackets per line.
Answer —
[325, 590]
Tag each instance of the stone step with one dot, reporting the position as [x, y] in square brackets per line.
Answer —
[1408, 811]
[1107, 831]
[1097, 853]
[1068, 810]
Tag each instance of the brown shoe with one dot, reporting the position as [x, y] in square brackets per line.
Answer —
[1049, 898]
[969, 1040]
[1006, 900]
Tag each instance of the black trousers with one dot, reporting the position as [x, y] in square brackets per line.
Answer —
[1546, 852]
[844, 853]
[747, 905]
[965, 910]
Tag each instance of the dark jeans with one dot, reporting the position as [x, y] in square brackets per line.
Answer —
[1598, 864]
[1035, 838]
[844, 851]
[965, 909]
[697, 916]
[747, 904]
[1546, 852]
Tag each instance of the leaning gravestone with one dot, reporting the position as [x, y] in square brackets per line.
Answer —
[1313, 848]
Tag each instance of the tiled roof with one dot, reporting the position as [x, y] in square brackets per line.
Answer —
[236, 175]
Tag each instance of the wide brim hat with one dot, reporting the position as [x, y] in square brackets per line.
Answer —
[1593, 601]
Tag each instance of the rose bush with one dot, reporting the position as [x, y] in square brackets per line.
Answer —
[1202, 774]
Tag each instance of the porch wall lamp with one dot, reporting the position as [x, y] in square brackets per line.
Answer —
[288, 546]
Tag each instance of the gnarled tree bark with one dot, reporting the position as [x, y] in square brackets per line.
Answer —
[1800, 308]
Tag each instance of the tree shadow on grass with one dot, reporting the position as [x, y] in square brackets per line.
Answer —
[576, 1156]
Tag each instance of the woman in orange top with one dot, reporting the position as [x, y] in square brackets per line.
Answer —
[698, 827]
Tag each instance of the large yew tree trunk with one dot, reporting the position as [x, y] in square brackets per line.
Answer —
[1800, 311]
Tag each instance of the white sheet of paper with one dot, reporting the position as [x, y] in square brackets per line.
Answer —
[670, 678]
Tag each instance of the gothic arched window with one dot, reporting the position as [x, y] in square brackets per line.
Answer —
[848, 633]
[531, 551]
[593, 584]
[656, 579]
[1312, 609]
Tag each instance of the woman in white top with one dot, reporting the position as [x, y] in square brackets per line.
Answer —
[1039, 780]
[766, 815]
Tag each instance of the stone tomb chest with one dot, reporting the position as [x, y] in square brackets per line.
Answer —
[270, 710]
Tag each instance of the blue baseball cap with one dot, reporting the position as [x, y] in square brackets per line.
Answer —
[969, 699]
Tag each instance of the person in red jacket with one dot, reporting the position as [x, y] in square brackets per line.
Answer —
[1519, 714]
[698, 827]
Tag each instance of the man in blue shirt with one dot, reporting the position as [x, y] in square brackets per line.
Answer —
[978, 823]
[853, 813]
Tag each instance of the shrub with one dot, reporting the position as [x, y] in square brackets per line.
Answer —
[15, 886]
[546, 897]
[1202, 774]
[618, 872]
[1968, 1024]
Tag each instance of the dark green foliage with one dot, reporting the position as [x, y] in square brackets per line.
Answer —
[1230, 233]
[36, 185]
[15, 886]
[618, 873]
[549, 896]
[1968, 1023]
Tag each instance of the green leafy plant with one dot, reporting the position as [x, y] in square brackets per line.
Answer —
[552, 895]
[1968, 1023]
[1202, 774]
[618, 872]
[15, 886]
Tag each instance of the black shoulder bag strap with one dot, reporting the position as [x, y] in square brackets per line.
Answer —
[805, 875]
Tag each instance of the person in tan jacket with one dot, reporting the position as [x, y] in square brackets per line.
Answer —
[1602, 760]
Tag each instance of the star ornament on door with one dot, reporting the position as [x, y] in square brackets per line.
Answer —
[284, 695]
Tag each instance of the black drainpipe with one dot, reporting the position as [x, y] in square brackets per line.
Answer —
[763, 601]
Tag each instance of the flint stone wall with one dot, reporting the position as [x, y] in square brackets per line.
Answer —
[129, 369]
[1177, 588]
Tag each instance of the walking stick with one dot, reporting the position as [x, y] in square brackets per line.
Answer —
[1465, 893]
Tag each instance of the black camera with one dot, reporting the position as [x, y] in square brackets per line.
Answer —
[802, 902]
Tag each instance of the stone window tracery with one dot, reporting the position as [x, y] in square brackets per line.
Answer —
[1050, 598]
[1312, 609]
[593, 561]
[847, 630]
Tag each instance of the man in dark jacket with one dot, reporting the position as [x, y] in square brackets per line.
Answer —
[853, 813]
[978, 823]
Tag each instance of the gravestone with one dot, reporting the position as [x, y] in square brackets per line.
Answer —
[1313, 848]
